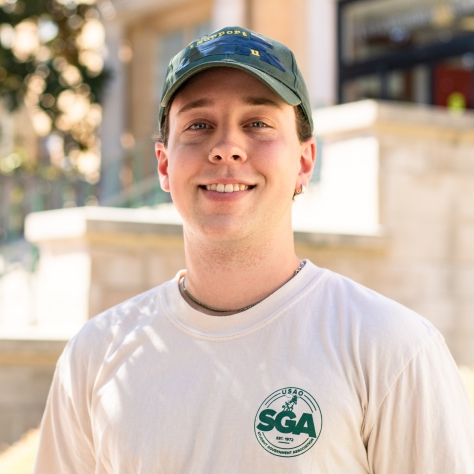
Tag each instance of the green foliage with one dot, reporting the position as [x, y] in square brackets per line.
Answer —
[52, 62]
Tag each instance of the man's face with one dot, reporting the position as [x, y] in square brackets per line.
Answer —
[228, 130]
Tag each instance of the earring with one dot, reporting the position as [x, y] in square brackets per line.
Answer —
[299, 191]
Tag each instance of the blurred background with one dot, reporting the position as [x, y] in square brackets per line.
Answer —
[84, 224]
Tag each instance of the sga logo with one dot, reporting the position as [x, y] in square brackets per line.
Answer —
[288, 422]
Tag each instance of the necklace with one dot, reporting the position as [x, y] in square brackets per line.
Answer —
[199, 303]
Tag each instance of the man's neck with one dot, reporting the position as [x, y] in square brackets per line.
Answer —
[234, 275]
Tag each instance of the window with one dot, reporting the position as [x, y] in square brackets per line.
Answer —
[172, 43]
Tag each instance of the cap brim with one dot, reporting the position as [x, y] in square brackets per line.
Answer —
[286, 94]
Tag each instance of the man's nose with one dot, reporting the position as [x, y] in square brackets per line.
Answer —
[227, 149]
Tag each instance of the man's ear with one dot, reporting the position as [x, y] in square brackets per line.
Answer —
[307, 160]
[162, 157]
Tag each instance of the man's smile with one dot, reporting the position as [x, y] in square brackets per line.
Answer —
[227, 188]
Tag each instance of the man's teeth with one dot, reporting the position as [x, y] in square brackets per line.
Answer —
[226, 188]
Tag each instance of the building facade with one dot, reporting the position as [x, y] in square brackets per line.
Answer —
[143, 36]
[420, 52]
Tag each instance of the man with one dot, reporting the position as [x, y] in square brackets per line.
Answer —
[251, 361]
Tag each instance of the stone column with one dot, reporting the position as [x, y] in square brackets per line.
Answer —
[321, 59]
[229, 13]
[113, 111]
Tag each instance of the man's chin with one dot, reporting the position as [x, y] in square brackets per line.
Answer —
[222, 228]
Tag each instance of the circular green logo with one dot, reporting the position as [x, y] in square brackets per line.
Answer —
[288, 422]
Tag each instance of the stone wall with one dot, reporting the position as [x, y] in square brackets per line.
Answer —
[26, 371]
[93, 258]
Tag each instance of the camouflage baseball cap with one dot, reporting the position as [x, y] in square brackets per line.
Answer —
[268, 60]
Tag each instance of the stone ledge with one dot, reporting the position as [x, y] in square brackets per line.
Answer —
[339, 240]
[146, 227]
[30, 352]
[65, 224]
[388, 117]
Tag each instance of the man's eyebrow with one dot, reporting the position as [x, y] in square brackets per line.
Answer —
[195, 104]
[261, 101]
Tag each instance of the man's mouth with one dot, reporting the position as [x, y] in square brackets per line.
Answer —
[227, 188]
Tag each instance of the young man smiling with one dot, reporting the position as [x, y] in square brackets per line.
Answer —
[232, 366]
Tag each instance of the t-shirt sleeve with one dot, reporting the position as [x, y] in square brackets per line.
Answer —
[66, 445]
[426, 422]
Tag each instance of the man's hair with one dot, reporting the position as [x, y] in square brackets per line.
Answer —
[303, 128]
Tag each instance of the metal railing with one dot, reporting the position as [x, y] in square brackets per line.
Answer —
[23, 193]
[136, 185]
[18, 254]
[136, 179]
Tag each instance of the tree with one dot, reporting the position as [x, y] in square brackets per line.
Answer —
[51, 61]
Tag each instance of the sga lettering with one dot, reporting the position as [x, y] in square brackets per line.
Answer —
[268, 421]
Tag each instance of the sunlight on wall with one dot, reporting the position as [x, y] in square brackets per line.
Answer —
[346, 198]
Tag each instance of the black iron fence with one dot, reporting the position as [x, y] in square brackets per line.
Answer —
[22, 193]
[46, 187]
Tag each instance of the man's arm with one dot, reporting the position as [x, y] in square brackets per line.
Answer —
[426, 422]
[65, 445]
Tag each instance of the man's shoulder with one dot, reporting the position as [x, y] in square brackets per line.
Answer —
[112, 327]
[370, 316]
[374, 336]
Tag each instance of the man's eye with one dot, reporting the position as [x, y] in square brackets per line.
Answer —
[198, 126]
[258, 124]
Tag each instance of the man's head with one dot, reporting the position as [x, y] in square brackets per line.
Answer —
[225, 126]
[268, 60]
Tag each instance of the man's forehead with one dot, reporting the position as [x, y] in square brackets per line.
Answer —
[245, 100]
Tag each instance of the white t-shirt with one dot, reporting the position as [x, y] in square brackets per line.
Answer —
[323, 376]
